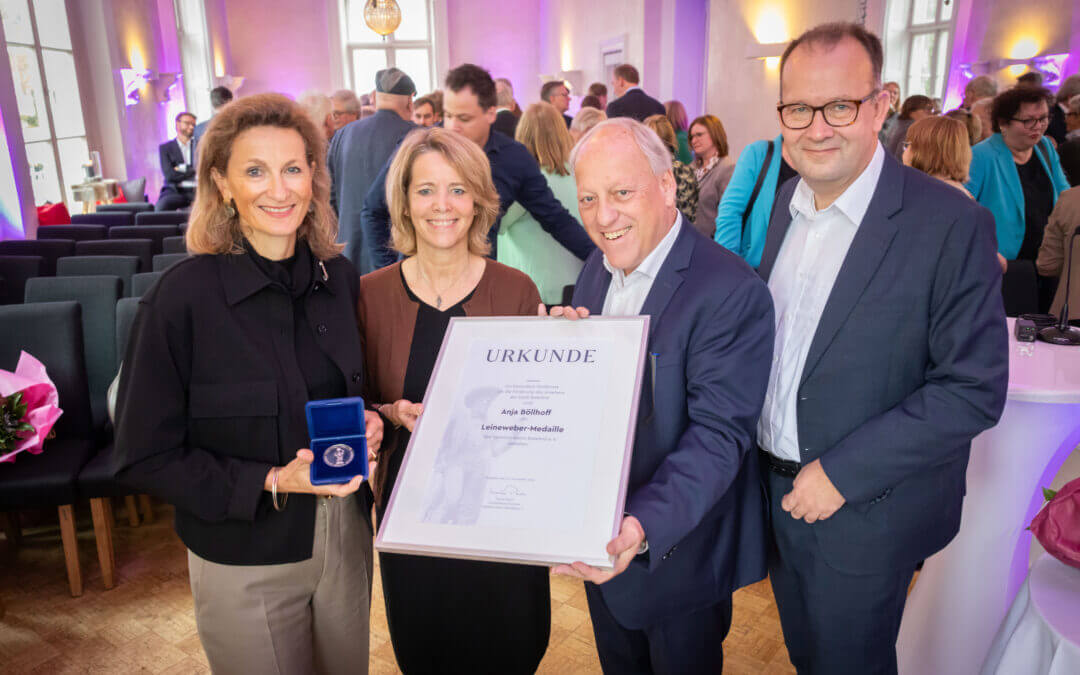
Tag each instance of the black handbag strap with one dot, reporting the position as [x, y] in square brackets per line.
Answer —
[757, 188]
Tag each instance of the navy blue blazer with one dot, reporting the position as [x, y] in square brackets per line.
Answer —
[517, 178]
[694, 479]
[909, 363]
[635, 103]
[171, 156]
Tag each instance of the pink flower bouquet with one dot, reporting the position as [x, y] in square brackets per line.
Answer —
[28, 408]
[1057, 525]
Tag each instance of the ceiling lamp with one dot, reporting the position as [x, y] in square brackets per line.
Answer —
[382, 16]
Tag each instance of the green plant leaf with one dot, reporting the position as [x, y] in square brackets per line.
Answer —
[1049, 494]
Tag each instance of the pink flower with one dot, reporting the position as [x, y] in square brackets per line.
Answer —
[1057, 525]
[40, 397]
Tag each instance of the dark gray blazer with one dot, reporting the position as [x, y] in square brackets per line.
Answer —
[909, 363]
[358, 152]
[635, 103]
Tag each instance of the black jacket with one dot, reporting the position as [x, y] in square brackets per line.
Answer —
[204, 411]
[505, 123]
[635, 103]
[172, 156]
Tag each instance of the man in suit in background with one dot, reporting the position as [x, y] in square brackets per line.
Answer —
[469, 109]
[178, 166]
[344, 108]
[219, 96]
[505, 119]
[630, 100]
[891, 355]
[357, 153]
[694, 527]
[557, 94]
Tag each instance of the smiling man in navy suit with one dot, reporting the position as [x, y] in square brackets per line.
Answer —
[694, 528]
[891, 355]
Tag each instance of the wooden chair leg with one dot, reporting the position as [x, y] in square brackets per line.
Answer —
[132, 511]
[71, 549]
[147, 509]
[12, 527]
[101, 509]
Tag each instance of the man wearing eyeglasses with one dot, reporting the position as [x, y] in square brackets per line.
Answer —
[890, 356]
[1016, 173]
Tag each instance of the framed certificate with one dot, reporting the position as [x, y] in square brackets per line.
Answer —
[523, 451]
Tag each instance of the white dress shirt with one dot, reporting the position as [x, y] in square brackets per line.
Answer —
[185, 150]
[626, 294]
[801, 280]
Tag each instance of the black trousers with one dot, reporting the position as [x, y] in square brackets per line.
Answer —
[687, 644]
[171, 200]
[834, 623]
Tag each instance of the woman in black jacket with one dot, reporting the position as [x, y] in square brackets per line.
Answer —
[225, 351]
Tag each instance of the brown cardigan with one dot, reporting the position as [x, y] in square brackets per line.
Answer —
[387, 319]
[1053, 258]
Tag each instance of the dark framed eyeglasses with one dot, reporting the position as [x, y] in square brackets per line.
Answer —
[1033, 122]
[839, 113]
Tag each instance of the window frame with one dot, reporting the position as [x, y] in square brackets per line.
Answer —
[389, 45]
[913, 30]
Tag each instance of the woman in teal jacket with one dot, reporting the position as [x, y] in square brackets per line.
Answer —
[996, 185]
[729, 215]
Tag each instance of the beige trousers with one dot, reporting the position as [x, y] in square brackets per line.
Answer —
[304, 617]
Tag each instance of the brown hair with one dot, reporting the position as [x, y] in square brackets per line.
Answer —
[716, 131]
[676, 114]
[662, 126]
[211, 229]
[542, 130]
[941, 147]
[471, 164]
[598, 89]
[829, 34]
[914, 103]
[431, 100]
[970, 120]
[1007, 103]
[627, 72]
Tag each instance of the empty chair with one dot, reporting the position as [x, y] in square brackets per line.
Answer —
[52, 332]
[155, 233]
[161, 218]
[177, 244]
[123, 266]
[14, 271]
[73, 232]
[97, 295]
[143, 248]
[126, 207]
[135, 191]
[110, 219]
[48, 250]
[166, 260]
[141, 282]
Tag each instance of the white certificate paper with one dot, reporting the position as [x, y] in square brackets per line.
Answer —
[523, 451]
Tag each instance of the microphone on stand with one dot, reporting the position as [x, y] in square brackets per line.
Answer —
[1063, 333]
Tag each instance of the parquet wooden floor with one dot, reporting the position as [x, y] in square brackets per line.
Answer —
[145, 623]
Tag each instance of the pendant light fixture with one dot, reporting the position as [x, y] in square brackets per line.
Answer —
[382, 16]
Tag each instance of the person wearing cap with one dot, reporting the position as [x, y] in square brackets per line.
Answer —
[469, 107]
[357, 153]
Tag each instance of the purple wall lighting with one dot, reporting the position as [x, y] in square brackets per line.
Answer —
[11, 224]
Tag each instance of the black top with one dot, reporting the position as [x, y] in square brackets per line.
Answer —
[1038, 202]
[634, 103]
[787, 172]
[225, 351]
[490, 617]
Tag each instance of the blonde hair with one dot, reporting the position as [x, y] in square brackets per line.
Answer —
[939, 146]
[586, 119]
[211, 228]
[471, 164]
[542, 130]
[662, 126]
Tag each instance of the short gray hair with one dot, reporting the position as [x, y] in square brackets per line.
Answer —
[348, 99]
[647, 141]
[586, 119]
[1074, 104]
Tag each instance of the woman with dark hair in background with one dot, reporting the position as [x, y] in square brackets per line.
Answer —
[914, 109]
[676, 114]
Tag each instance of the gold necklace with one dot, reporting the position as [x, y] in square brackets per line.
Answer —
[438, 294]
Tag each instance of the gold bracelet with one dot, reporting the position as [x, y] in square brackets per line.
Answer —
[273, 491]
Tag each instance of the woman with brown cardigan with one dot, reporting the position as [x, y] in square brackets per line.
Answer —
[444, 615]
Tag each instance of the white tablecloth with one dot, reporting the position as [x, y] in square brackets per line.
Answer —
[1041, 633]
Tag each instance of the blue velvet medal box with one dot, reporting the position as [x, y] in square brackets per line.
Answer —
[338, 441]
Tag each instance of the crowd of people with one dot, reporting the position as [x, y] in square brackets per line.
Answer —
[827, 319]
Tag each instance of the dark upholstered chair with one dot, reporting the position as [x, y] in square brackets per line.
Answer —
[155, 233]
[97, 295]
[123, 266]
[52, 333]
[161, 218]
[125, 318]
[177, 244]
[134, 190]
[14, 271]
[106, 218]
[166, 260]
[73, 232]
[126, 207]
[140, 283]
[48, 250]
[142, 248]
